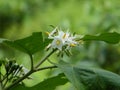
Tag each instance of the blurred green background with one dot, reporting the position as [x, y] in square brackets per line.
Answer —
[19, 18]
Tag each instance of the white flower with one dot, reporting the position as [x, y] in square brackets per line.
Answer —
[71, 41]
[57, 43]
[58, 40]
[51, 35]
[61, 39]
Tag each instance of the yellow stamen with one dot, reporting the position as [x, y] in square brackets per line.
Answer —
[72, 45]
[58, 42]
[47, 33]
[64, 36]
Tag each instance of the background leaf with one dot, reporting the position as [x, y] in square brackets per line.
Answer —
[30, 45]
[112, 38]
[91, 78]
[48, 84]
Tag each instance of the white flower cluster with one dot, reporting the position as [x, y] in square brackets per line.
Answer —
[61, 39]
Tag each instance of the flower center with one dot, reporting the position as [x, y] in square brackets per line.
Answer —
[58, 42]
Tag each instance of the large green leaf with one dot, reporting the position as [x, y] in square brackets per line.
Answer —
[91, 78]
[69, 71]
[112, 38]
[30, 45]
[98, 79]
[48, 84]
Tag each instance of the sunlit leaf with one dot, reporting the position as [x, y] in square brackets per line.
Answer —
[48, 84]
[112, 38]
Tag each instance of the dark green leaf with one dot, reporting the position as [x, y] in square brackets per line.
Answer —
[91, 78]
[30, 45]
[68, 70]
[48, 84]
[112, 38]
[47, 41]
[98, 79]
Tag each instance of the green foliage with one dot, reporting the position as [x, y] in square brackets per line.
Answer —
[91, 78]
[83, 78]
[97, 79]
[30, 45]
[48, 84]
[21, 18]
[68, 70]
[112, 38]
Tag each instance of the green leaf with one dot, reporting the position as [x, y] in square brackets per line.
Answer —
[98, 79]
[68, 70]
[47, 41]
[30, 45]
[51, 83]
[48, 84]
[112, 38]
[91, 78]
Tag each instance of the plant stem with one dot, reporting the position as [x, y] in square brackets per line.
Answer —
[31, 58]
[29, 73]
[33, 69]
[41, 61]
[48, 67]
[19, 80]
[5, 82]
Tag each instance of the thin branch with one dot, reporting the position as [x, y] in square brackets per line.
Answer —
[5, 76]
[19, 80]
[31, 59]
[32, 70]
[44, 68]
[5, 81]
[29, 73]
[46, 57]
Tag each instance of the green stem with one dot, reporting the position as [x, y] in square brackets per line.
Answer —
[29, 73]
[32, 70]
[48, 67]
[5, 82]
[19, 80]
[45, 58]
[31, 58]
